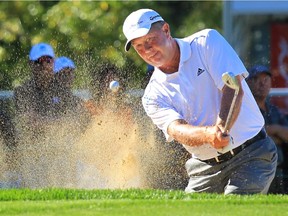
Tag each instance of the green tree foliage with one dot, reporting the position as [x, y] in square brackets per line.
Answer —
[88, 32]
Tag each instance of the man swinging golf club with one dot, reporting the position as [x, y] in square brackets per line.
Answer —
[189, 97]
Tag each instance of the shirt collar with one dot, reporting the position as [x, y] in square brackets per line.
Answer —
[185, 53]
[185, 50]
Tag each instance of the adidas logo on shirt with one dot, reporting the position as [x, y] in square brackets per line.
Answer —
[200, 71]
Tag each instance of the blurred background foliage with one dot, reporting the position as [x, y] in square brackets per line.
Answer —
[88, 32]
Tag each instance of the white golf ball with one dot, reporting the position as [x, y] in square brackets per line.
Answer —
[114, 86]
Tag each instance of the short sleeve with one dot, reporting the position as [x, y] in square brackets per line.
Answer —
[221, 58]
[159, 110]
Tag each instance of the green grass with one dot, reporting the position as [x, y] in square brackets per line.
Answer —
[136, 202]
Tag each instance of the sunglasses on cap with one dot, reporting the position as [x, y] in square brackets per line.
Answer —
[42, 59]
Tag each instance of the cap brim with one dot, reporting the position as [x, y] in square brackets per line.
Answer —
[254, 74]
[136, 34]
[36, 57]
[267, 72]
[127, 46]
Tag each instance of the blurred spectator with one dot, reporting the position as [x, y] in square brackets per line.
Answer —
[173, 174]
[169, 174]
[7, 130]
[49, 121]
[276, 124]
[101, 78]
[149, 73]
[102, 96]
[63, 98]
[64, 72]
[112, 126]
[8, 145]
[33, 112]
[33, 100]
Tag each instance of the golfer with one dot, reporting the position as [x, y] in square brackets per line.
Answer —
[187, 99]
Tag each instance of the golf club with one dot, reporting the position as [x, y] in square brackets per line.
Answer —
[229, 80]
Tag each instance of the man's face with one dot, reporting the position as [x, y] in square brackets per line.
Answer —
[42, 70]
[260, 85]
[154, 47]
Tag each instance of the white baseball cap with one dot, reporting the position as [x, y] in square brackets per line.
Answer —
[39, 50]
[63, 62]
[138, 24]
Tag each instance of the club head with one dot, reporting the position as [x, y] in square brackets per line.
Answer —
[230, 80]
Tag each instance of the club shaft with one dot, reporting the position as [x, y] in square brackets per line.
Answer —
[231, 110]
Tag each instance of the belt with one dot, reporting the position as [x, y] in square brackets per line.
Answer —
[230, 154]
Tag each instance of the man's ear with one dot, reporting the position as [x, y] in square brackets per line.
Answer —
[166, 29]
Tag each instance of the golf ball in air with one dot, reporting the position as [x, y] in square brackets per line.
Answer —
[114, 86]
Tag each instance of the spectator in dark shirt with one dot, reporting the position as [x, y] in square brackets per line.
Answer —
[276, 124]
[66, 102]
[103, 97]
[49, 120]
[34, 98]
[8, 145]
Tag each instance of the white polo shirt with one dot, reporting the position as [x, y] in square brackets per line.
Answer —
[194, 92]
